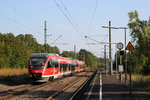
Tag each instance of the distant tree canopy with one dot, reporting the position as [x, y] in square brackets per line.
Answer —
[84, 55]
[16, 50]
[140, 33]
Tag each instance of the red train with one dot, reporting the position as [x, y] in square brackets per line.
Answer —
[44, 66]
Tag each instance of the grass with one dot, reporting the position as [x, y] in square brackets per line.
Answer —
[139, 80]
[14, 75]
[13, 71]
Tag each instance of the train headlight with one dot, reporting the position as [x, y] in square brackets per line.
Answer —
[31, 66]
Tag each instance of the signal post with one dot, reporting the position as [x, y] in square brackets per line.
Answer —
[130, 47]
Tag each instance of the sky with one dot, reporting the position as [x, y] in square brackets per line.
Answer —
[73, 19]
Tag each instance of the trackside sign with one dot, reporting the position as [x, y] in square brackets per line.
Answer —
[129, 46]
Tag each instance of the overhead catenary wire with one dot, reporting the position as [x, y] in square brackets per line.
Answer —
[67, 18]
[19, 11]
[65, 8]
[89, 46]
[92, 18]
[104, 38]
[14, 19]
[75, 26]
[20, 24]
[91, 21]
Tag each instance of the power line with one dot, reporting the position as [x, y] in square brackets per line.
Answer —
[75, 26]
[20, 24]
[16, 22]
[104, 38]
[93, 16]
[92, 19]
[19, 11]
[67, 17]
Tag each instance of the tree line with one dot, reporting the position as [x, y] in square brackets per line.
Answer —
[16, 50]
[140, 38]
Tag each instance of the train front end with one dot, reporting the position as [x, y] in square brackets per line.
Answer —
[37, 65]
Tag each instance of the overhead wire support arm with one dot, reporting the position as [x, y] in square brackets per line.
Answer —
[60, 43]
[56, 40]
[93, 39]
[123, 27]
[96, 35]
[110, 27]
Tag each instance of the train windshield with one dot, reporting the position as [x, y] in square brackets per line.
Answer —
[37, 63]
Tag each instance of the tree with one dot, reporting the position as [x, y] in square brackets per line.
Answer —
[140, 33]
[69, 54]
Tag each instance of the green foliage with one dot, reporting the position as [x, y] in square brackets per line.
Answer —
[140, 33]
[84, 55]
[15, 51]
[90, 59]
[69, 54]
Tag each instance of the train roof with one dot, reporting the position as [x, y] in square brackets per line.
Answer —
[45, 55]
[42, 54]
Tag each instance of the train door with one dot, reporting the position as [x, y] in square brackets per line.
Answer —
[59, 67]
[55, 66]
[50, 69]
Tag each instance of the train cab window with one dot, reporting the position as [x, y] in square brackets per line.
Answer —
[37, 63]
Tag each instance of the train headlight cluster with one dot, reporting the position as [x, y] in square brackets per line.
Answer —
[36, 74]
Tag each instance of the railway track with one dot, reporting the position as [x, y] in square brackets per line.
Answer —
[27, 88]
[20, 90]
[76, 94]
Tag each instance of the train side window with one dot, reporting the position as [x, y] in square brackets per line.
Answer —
[54, 62]
[69, 67]
[49, 64]
[65, 67]
[72, 67]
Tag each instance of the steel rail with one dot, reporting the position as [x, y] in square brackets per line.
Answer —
[8, 95]
[81, 89]
[65, 88]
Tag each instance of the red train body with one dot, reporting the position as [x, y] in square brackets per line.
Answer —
[44, 66]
